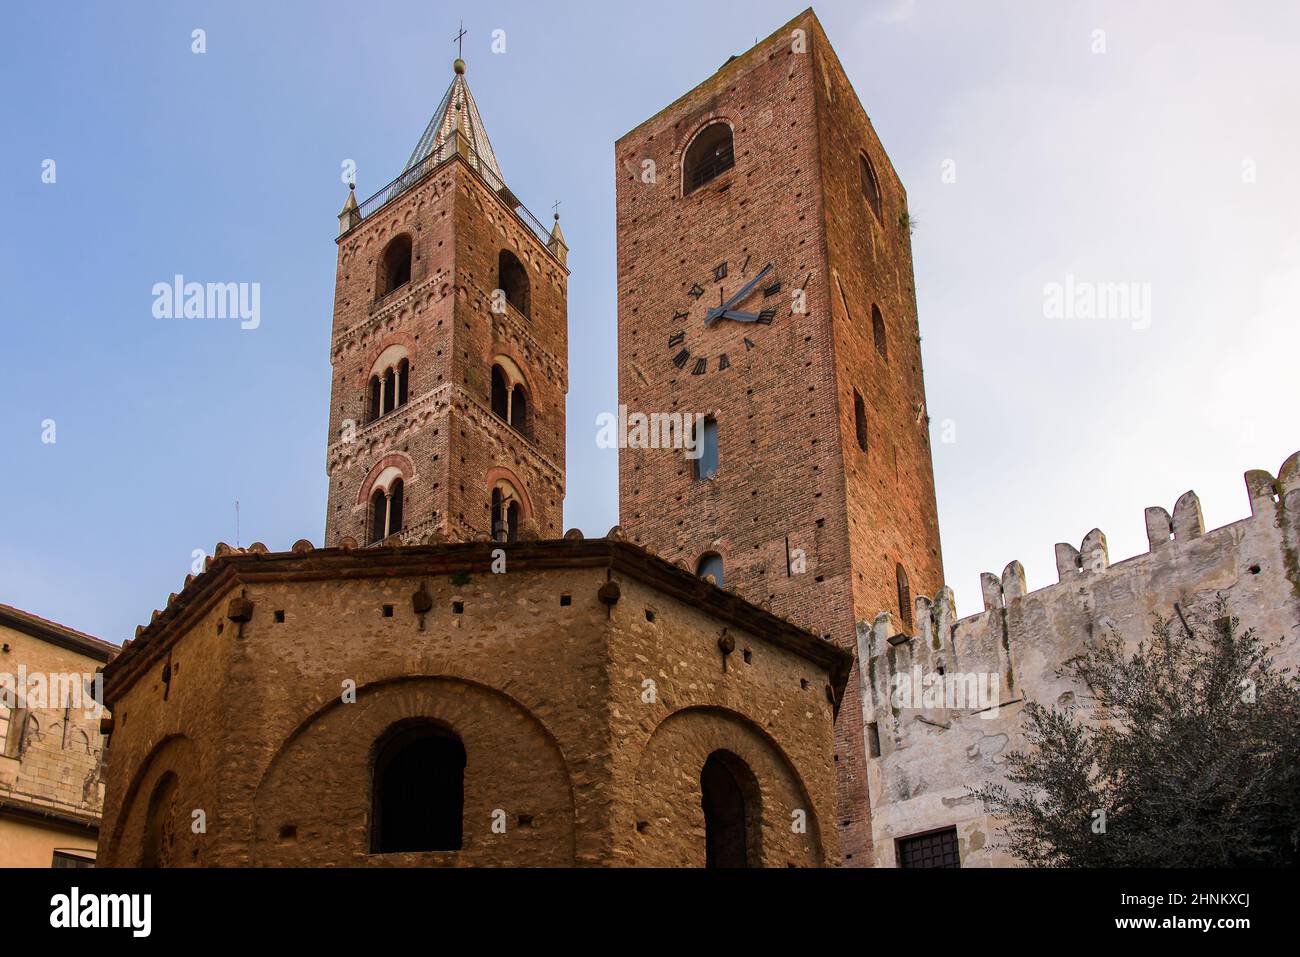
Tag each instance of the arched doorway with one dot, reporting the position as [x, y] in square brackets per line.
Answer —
[730, 798]
[419, 790]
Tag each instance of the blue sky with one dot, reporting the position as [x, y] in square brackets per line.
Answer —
[1167, 160]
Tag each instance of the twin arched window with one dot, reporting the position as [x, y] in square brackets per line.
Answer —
[510, 396]
[418, 793]
[512, 279]
[389, 389]
[394, 266]
[506, 512]
[710, 154]
[386, 511]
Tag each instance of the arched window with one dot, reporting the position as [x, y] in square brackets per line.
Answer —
[710, 154]
[160, 823]
[403, 381]
[878, 331]
[710, 563]
[512, 279]
[506, 512]
[418, 790]
[386, 511]
[510, 395]
[860, 419]
[904, 597]
[395, 265]
[706, 448]
[870, 185]
[730, 798]
[500, 393]
[519, 409]
[389, 385]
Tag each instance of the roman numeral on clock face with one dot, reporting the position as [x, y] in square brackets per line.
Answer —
[679, 360]
[676, 339]
[748, 345]
[723, 362]
[696, 291]
[681, 314]
[766, 316]
[701, 366]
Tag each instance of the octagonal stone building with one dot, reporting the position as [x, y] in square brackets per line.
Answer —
[560, 702]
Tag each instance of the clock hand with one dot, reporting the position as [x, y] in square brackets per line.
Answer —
[739, 316]
[745, 291]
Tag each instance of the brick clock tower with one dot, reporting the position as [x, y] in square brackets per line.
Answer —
[449, 350]
[765, 281]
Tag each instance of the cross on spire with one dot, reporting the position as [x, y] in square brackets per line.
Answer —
[460, 41]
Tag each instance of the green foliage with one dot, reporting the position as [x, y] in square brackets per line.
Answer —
[1191, 752]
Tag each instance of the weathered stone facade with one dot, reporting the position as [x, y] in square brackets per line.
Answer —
[51, 751]
[930, 756]
[795, 475]
[586, 682]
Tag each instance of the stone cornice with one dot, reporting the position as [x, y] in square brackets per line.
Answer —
[232, 568]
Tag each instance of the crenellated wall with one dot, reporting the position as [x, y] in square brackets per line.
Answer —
[931, 748]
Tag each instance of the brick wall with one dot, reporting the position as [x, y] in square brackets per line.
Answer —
[790, 475]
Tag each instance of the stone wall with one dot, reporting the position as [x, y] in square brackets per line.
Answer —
[541, 676]
[51, 754]
[929, 756]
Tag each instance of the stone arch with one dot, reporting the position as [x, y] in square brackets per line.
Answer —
[500, 473]
[670, 824]
[397, 460]
[513, 765]
[149, 795]
[708, 153]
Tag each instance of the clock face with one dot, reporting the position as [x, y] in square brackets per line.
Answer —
[708, 337]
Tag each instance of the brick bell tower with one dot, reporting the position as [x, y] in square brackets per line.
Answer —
[765, 281]
[449, 350]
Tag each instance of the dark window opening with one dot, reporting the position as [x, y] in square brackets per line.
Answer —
[419, 791]
[873, 739]
[519, 410]
[730, 799]
[71, 859]
[512, 279]
[860, 419]
[710, 563]
[706, 445]
[709, 155]
[870, 184]
[376, 397]
[500, 394]
[878, 331]
[930, 850]
[904, 597]
[396, 265]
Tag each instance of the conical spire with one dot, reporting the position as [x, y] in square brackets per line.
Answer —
[457, 111]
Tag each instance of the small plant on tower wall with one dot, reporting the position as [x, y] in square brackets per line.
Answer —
[1190, 757]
